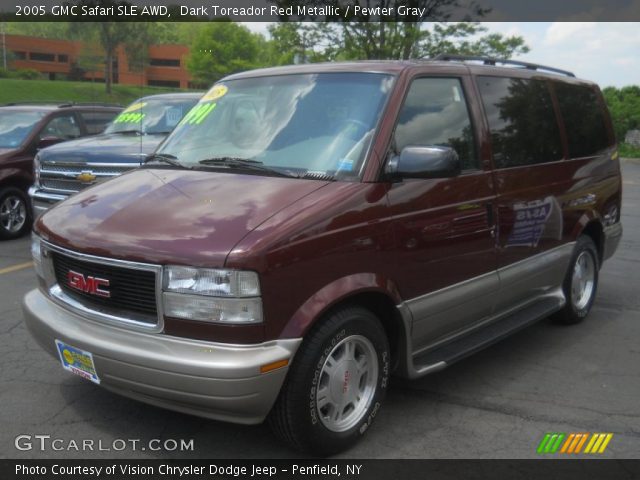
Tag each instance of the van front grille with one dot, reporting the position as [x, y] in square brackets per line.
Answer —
[131, 292]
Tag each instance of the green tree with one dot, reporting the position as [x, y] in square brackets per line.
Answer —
[295, 42]
[53, 30]
[223, 48]
[624, 105]
[390, 40]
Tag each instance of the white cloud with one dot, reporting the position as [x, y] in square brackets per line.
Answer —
[559, 32]
[604, 52]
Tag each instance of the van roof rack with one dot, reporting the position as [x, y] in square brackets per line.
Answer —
[62, 104]
[493, 61]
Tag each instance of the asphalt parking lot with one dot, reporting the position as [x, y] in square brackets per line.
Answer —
[496, 404]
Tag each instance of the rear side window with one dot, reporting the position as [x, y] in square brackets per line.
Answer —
[96, 122]
[583, 119]
[435, 113]
[524, 129]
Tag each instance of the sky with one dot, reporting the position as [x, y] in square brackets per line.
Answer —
[607, 53]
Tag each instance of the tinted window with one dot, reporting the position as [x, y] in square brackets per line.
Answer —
[435, 113]
[524, 130]
[64, 126]
[583, 119]
[96, 121]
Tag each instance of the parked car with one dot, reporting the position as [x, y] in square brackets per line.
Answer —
[63, 170]
[24, 128]
[308, 231]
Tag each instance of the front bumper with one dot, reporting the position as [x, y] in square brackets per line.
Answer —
[42, 201]
[211, 380]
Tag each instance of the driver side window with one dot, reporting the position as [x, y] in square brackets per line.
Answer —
[435, 113]
[63, 126]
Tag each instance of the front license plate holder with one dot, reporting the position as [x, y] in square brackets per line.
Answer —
[77, 361]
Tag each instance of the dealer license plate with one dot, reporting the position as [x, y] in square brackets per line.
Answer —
[77, 361]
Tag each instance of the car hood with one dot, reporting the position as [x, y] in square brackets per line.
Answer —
[166, 216]
[108, 148]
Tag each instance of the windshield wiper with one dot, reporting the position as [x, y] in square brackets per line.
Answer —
[165, 158]
[243, 164]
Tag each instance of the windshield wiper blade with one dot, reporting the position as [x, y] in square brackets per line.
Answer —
[164, 158]
[243, 164]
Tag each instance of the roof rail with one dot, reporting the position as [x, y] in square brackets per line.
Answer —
[493, 61]
[90, 104]
[61, 104]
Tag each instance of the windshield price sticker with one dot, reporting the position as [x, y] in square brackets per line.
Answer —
[216, 92]
[129, 118]
[198, 113]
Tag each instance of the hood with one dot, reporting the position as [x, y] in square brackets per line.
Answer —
[170, 216]
[111, 148]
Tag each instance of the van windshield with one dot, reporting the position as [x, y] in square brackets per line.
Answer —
[302, 124]
[15, 126]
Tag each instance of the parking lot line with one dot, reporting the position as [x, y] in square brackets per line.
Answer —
[13, 268]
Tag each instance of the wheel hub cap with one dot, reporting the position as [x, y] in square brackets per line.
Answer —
[347, 383]
[13, 214]
[582, 281]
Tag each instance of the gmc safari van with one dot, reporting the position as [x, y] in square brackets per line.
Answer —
[307, 231]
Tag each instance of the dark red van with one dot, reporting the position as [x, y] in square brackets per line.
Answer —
[308, 231]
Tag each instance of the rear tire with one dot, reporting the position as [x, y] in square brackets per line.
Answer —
[15, 214]
[336, 384]
[581, 283]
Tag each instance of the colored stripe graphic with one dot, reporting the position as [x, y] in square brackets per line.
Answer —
[598, 443]
[550, 442]
[573, 443]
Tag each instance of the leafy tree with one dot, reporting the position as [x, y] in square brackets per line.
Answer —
[624, 105]
[223, 48]
[393, 41]
[109, 35]
[54, 30]
[295, 42]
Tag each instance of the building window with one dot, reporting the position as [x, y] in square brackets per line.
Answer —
[164, 62]
[42, 57]
[63, 58]
[20, 55]
[164, 83]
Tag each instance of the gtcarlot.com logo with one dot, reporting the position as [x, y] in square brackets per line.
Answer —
[574, 443]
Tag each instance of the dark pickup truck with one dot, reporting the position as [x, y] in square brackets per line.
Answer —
[63, 170]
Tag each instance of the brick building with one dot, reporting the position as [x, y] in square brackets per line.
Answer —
[62, 59]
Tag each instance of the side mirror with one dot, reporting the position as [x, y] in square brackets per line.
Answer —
[425, 162]
[45, 142]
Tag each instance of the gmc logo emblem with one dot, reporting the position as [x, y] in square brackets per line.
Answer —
[88, 284]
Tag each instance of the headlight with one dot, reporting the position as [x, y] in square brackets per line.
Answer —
[36, 253]
[212, 295]
[213, 309]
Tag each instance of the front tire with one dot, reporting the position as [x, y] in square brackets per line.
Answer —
[15, 215]
[336, 384]
[581, 283]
